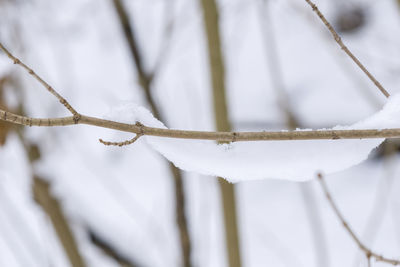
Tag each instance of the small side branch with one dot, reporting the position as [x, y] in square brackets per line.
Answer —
[124, 143]
[42, 82]
[368, 252]
[345, 49]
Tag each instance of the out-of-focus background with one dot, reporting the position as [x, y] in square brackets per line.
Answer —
[67, 200]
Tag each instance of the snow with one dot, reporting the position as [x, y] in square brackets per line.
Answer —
[288, 160]
[126, 194]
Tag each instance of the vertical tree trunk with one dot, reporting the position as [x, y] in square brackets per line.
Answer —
[145, 80]
[210, 16]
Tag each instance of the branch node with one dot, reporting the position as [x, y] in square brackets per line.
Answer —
[39, 79]
[234, 135]
[77, 117]
[141, 127]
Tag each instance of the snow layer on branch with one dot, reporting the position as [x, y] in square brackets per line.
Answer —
[242, 161]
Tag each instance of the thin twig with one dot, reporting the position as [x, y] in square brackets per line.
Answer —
[345, 49]
[368, 252]
[145, 79]
[275, 66]
[124, 143]
[109, 250]
[42, 82]
[204, 135]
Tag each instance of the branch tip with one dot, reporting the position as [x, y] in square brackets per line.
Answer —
[339, 41]
[120, 144]
[77, 117]
[367, 251]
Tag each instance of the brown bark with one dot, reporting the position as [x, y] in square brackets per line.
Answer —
[145, 80]
[210, 17]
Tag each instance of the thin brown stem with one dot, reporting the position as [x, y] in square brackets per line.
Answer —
[368, 252]
[42, 82]
[204, 135]
[124, 143]
[339, 41]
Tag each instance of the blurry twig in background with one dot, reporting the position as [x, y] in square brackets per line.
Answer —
[274, 65]
[382, 196]
[15, 227]
[368, 253]
[345, 49]
[145, 80]
[307, 189]
[51, 206]
[109, 250]
[216, 67]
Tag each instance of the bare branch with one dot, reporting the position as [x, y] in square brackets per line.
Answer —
[182, 134]
[368, 252]
[204, 135]
[42, 82]
[345, 49]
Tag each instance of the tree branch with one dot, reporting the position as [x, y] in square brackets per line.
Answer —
[368, 252]
[345, 49]
[183, 134]
[203, 135]
[42, 82]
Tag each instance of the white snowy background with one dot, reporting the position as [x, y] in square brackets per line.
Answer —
[125, 195]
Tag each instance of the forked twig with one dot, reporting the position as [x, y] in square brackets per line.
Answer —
[184, 134]
[345, 49]
[127, 142]
[42, 82]
[368, 252]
